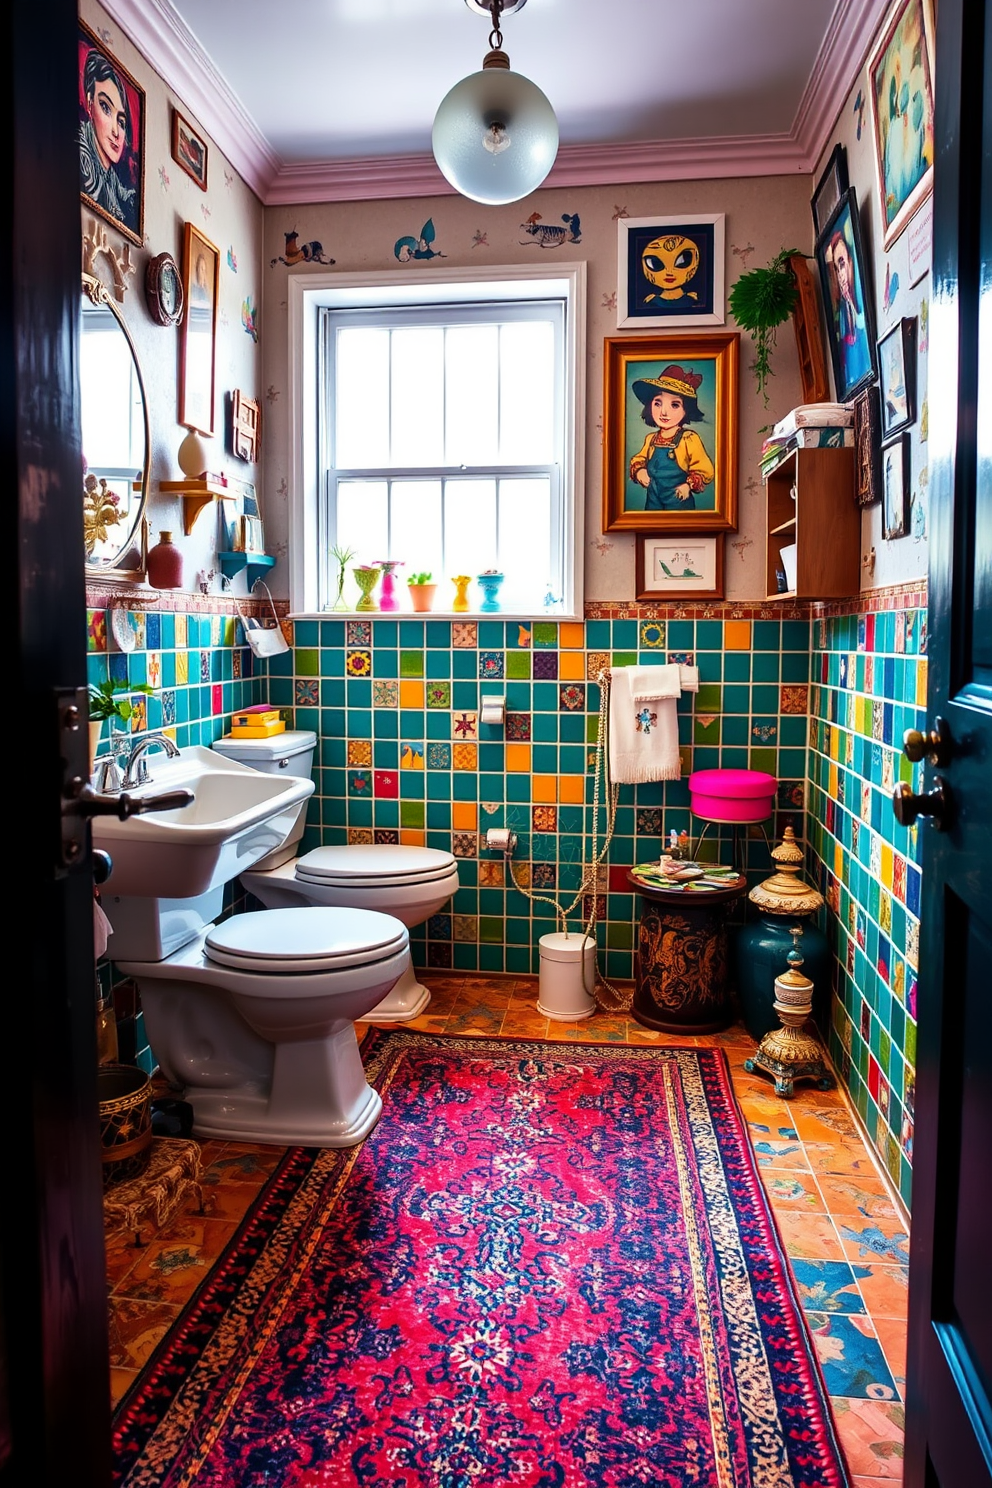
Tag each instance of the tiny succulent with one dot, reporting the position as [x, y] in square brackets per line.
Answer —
[419, 578]
[113, 700]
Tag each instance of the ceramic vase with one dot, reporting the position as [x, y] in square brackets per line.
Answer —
[762, 948]
[165, 564]
[461, 584]
[340, 603]
[422, 596]
[489, 584]
[387, 594]
[366, 579]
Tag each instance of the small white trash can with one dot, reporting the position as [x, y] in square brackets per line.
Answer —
[566, 970]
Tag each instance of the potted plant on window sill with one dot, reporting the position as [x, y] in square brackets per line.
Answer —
[110, 700]
[422, 591]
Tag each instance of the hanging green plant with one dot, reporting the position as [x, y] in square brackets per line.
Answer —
[761, 301]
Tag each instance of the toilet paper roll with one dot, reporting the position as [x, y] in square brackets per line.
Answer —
[500, 839]
[493, 710]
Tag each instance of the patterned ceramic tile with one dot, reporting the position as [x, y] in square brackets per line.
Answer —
[464, 844]
[544, 818]
[829, 1286]
[518, 727]
[438, 695]
[411, 755]
[464, 634]
[96, 630]
[546, 666]
[465, 756]
[438, 756]
[386, 784]
[851, 1357]
[652, 634]
[491, 874]
[358, 663]
[385, 694]
[360, 836]
[359, 751]
[388, 836]
[306, 692]
[572, 697]
[464, 726]
[358, 633]
[491, 665]
[597, 662]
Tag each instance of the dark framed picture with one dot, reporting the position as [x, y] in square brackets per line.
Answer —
[847, 300]
[201, 263]
[670, 433]
[188, 150]
[900, 92]
[111, 138]
[895, 487]
[670, 271]
[897, 377]
[829, 189]
[867, 448]
[670, 566]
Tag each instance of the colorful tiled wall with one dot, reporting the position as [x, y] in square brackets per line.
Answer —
[404, 757]
[868, 686]
[200, 670]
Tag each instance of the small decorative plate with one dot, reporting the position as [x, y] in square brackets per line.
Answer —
[164, 290]
[121, 628]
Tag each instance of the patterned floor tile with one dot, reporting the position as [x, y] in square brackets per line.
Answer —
[808, 1236]
[828, 1286]
[851, 1357]
[136, 1328]
[871, 1435]
[892, 1335]
[880, 1240]
[793, 1190]
[853, 1195]
[885, 1290]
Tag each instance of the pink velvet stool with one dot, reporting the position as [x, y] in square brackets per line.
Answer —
[731, 798]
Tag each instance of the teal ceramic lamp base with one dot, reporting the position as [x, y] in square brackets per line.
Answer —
[490, 586]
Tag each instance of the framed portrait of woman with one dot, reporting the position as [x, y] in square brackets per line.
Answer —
[111, 138]
[847, 299]
[900, 90]
[670, 433]
[201, 264]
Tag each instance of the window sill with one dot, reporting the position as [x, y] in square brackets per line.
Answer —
[522, 617]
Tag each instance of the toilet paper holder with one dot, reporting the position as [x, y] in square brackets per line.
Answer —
[492, 709]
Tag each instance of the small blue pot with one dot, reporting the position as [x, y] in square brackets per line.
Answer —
[489, 584]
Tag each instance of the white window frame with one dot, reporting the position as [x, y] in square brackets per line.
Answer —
[310, 292]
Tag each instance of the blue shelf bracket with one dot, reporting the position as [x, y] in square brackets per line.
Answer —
[256, 564]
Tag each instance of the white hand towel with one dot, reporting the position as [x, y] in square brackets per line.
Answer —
[102, 929]
[644, 734]
[689, 678]
[649, 684]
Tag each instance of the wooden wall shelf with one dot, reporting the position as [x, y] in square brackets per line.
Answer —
[196, 494]
[823, 521]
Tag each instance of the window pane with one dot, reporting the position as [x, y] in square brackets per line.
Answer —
[417, 396]
[527, 393]
[362, 523]
[361, 389]
[525, 542]
[416, 528]
[472, 391]
[469, 526]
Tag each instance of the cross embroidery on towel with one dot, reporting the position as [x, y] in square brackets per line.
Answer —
[645, 721]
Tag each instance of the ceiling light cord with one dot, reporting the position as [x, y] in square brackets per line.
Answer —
[496, 35]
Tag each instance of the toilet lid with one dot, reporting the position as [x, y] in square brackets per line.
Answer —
[374, 865]
[305, 939]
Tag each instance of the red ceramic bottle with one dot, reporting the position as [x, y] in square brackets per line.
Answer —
[165, 564]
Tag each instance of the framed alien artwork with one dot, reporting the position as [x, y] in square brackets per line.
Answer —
[670, 271]
[670, 433]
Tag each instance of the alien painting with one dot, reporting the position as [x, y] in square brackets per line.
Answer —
[670, 271]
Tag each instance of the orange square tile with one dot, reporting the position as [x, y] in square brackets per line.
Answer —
[737, 635]
[571, 666]
[413, 837]
[544, 788]
[411, 694]
[572, 789]
[571, 637]
[464, 816]
[518, 759]
[465, 756]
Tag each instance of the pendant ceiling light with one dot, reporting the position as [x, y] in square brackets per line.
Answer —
[495, 134]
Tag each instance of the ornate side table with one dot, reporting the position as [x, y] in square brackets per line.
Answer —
[680, 969]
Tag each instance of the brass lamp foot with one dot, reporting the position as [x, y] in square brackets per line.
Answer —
[789, 1053]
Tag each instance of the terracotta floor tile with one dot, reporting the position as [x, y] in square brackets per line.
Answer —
[772, 1151]
[809, 1236]
[892, 1336]
[519, 1024]
[638, 1034]
[229, 1201]
[796, 1191]
[844, 1155]
[885, 1290]
[874, 1239]
[136, 1328]
[121, 1381]
[851, 1194]
[592, 1031]
[871, 1436]
[827, 1286]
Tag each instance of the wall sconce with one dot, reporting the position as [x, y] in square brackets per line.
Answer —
[495, 134]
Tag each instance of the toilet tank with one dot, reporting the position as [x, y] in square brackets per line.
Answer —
[289, 753]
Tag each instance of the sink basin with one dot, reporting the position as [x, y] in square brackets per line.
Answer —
[237, 817]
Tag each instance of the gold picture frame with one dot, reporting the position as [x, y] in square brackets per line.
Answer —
[198, 341]
[680, 474]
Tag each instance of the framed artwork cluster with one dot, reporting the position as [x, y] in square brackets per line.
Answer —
[670, 404]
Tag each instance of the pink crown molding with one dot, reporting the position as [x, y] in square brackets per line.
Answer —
[163, 38]
[157, 30]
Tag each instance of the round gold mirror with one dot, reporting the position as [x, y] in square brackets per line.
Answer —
[116, 443]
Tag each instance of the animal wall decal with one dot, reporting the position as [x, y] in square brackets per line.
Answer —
[407, 249]
[550, 235]
[297, 252]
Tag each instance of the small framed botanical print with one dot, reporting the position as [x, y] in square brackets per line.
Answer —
[188, 150]
[670, 566]
[670, 271]
[897, 376]
[895, 487]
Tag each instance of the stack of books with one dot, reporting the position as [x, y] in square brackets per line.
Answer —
[810, 426]
[257, 722]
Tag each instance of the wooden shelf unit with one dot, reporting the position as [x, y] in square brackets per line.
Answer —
[823, 521]
[196, 494]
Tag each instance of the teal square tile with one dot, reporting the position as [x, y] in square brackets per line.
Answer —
[411, 663]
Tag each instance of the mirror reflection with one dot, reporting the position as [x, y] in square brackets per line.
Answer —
[114, 419]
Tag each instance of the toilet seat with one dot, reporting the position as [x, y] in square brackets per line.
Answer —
[276, 941]
[374, 866]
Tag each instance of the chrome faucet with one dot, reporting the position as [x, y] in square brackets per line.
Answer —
[136, 770]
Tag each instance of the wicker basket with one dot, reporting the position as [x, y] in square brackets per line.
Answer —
[125, 1094]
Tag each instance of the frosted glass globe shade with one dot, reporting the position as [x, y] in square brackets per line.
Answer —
[495, 136]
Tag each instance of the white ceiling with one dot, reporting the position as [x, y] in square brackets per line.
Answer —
[326, 79]
[320, 100]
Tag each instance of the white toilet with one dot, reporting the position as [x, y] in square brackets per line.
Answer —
[255, 1019]
[411, 883]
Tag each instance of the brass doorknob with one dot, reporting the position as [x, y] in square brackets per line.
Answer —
[935, 745]
[908, 806]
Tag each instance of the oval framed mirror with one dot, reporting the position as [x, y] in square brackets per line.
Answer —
[116, 439]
